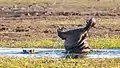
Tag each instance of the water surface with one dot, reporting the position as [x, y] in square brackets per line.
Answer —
[57, 53]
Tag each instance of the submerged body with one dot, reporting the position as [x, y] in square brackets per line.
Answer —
[75, 39]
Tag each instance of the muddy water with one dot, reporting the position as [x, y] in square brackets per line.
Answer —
[56, 53]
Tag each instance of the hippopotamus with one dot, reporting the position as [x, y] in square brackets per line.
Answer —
[75, 39]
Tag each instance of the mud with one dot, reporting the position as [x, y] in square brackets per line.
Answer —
[47, 10]
[21, 22]
[32, 30]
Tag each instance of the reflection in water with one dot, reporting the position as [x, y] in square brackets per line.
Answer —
[57, 53]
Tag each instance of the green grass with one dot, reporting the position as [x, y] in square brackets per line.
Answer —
[46, 43]
[104, 42]
[57, 43]
[58, 63]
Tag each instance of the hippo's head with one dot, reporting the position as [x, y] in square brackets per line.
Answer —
[91, 20]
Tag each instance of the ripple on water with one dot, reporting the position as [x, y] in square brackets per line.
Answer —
[57, 53]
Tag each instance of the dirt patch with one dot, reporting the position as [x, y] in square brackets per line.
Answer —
[19, 30]
[26, 11]
[21, 22]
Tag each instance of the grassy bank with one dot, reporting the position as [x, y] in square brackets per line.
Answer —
[58, 63]
[7, 62]
[58, 43]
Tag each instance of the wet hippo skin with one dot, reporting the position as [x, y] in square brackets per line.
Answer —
[75, 39]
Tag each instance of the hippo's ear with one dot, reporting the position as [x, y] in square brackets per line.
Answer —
[87, 19]
[60, 28]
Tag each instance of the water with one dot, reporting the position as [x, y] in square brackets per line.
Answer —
[57, 53]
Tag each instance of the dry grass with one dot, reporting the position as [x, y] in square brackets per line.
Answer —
[72, 3]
